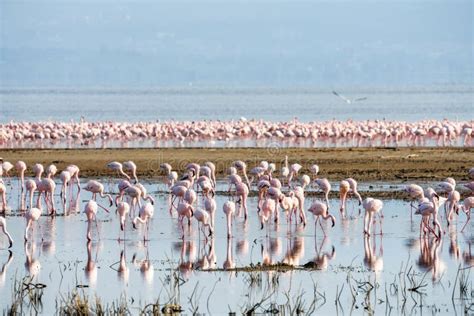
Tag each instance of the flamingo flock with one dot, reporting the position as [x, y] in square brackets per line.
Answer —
[344, 133]
[192, 198]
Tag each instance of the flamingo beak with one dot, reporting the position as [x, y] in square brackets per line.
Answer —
[261, 226]
[121, 226]
[11, 244]
[333, 222]
[134, 226]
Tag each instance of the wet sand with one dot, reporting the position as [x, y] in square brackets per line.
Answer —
[364, 164]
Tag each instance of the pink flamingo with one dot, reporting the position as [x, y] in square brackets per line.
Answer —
[210, 206]
[144, 194]
[416, 193]
[20, 167]
[117, 166]
[426, 210]
[344, 188]
[353, 189]
[242, 191]
[212, 166]
[65, 177]
[184, 209]
[30, 186]
[74, 172]
[145, 214]
[135, 194]
[299, 194]
[3, 225]
[262, 187]
[90, 210]
[123, 208]
[468, 204]
[320, 211]
[132, 167]
[32, 215]
[6, 166]
[289, 204]
[324, 186]
[234, 179]
[190, 196]
[3, 194]
[372, 207]
[229, 209]
[95, 187]
[294, 169]
[268, 207]
[177, 191]
[242, 166]
[122, 186]
[203, 218]
[285, 172]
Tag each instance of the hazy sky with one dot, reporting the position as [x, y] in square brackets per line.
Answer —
[243, 43]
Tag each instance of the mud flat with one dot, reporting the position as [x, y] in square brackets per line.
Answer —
[364, 164]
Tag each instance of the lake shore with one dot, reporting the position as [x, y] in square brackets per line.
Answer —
[364, 164]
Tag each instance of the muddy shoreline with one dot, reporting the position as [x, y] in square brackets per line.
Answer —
[364, 164]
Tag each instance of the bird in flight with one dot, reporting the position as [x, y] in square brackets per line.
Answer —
[348, 101]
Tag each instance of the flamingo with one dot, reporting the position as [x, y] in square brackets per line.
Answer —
[30, 186]
[117, 166]
[203, 217]
[468, 204]
[427, 209]
[229, 209]
[416, 193]
[299, 194]
[285, 171]
[320, 210]
[184, 209]
[74, 172]
[294, 169]
[210, 206]
[6, 167]
[353, 189]
[20, 167]
[314, 171]
[90, 210]
[135, 194]
[242, 191]
[65, 177]
[123, 208]
[268, 207]
[3, 225]
[242, 166]
[289, 204]
[144, 194]
[32, 215]
[3, 194]
[212, 166]
[324, 186]
[177, 191]
[372, 207]
[145, 214]
[95, 187]
[51, 171]
[344, 188]
[132, 167]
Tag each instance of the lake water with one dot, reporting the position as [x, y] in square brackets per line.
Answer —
[347, 261]
[198, 103]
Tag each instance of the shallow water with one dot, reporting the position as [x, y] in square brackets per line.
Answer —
[64, 260]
